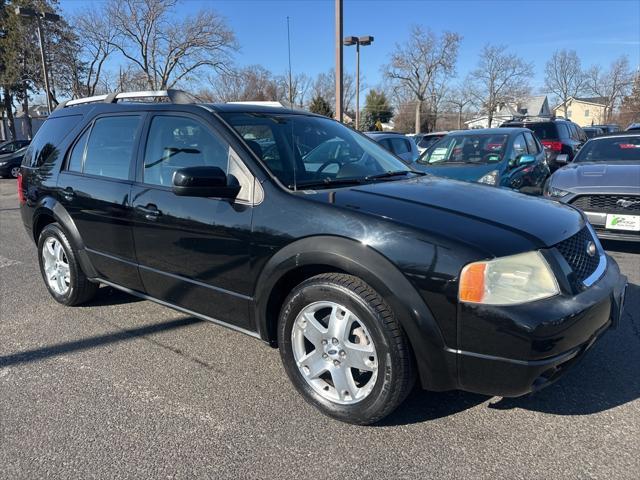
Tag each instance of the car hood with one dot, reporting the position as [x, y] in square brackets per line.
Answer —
[460, 171]
[597, 175]
[496, 220]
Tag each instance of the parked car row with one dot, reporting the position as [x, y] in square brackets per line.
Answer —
[364, 271]
[11, 154]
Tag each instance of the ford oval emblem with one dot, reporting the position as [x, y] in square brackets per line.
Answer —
[591, 248]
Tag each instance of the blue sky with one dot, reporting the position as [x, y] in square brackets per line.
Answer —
[598, 30]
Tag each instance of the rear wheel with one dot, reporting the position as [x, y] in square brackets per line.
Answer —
[60, 269]
[15, 171]
[343, 349]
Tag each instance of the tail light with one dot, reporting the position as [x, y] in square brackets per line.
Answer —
[552, 145]
[21, 197]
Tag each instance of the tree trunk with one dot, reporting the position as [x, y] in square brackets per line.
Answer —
[490, 118]
[460, 119]
[27, 128]
[418, 111]
[565, 109]
[8, 106]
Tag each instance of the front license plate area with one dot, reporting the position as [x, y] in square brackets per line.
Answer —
[623, 222]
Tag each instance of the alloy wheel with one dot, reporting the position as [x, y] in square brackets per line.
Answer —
[56, 266]
[334, 352]
[15, 171]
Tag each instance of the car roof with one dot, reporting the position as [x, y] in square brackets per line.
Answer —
[491, 131]
[632, 133]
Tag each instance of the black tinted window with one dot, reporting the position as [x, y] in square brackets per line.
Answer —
[77, 154]
[179, 142]
[562, 130]
[544, 131]
[110, 146]
[46, 143]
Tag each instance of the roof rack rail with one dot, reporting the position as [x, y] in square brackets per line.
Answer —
[174, 96]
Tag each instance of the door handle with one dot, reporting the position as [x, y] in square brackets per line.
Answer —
[68, 194]
[150, 212]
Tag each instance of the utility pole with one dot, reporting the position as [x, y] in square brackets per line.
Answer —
[50, 17]
[339, 61]
[357, 41]
[290, 82]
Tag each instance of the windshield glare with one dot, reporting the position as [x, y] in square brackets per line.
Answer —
[304, 150]
[470, 148]
[618, 149]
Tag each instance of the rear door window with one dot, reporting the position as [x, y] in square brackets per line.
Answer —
[111, 145]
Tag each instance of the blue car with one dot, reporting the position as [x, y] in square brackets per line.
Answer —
[503, 157]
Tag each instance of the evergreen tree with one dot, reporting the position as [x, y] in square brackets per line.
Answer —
[320, 106]
[377, 105]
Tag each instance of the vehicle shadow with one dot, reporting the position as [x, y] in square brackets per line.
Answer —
[608, 376]
[108, 296]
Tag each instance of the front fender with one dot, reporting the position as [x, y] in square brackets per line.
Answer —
[437, 368]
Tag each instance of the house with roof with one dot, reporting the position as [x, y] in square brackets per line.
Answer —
[584, 111]
[535, 106]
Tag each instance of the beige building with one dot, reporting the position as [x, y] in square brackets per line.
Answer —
[584, 111]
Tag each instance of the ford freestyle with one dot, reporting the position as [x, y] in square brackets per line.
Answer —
[365, 273]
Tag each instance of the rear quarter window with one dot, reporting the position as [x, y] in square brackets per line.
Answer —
[46, 144]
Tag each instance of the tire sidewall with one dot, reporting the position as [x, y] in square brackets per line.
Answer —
[54, 230]
[323, 290]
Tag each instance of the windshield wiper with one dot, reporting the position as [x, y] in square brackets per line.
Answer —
[392, 174]
[328, 182]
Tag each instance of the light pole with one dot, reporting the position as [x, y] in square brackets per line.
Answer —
[357, 41]
[49, 17]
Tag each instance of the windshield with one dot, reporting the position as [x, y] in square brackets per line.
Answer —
[468, 148]
[615, 149]
[308, 151]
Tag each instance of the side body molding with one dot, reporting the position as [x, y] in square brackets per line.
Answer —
[437, 368]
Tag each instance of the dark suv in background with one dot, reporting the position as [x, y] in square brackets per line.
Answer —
[560, 137]
[364, 272]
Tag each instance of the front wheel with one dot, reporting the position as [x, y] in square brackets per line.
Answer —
[343, 349]
[15, 171]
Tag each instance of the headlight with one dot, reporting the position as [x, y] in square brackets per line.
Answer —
[556, 192]
[490, 178]
[509, 280]
[2, 164]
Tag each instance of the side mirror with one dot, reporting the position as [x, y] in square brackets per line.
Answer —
[204, 182]
[562, 158]
[526, 160]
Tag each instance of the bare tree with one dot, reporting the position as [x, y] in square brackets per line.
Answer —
[253, 82]
[324, 86]
[500, 78]
[300, 85]
[461, 97]
[564, 76]
[96, 37]
[168, 49]
[417, 63]
[612, 85]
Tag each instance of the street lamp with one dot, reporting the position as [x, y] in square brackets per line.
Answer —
[49, 17]
[357, 41]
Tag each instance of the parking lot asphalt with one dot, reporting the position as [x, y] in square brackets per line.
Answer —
[127, 388]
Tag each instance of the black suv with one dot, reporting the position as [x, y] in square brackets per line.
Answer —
[560, 137]
[361, 270]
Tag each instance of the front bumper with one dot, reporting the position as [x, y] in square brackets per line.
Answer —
[512, 351]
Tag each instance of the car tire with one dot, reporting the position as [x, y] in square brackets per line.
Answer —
[371, 335]
[14, 172]
[60, 269]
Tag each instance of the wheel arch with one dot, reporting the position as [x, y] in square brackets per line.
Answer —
[49, 210]
[321, 254]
